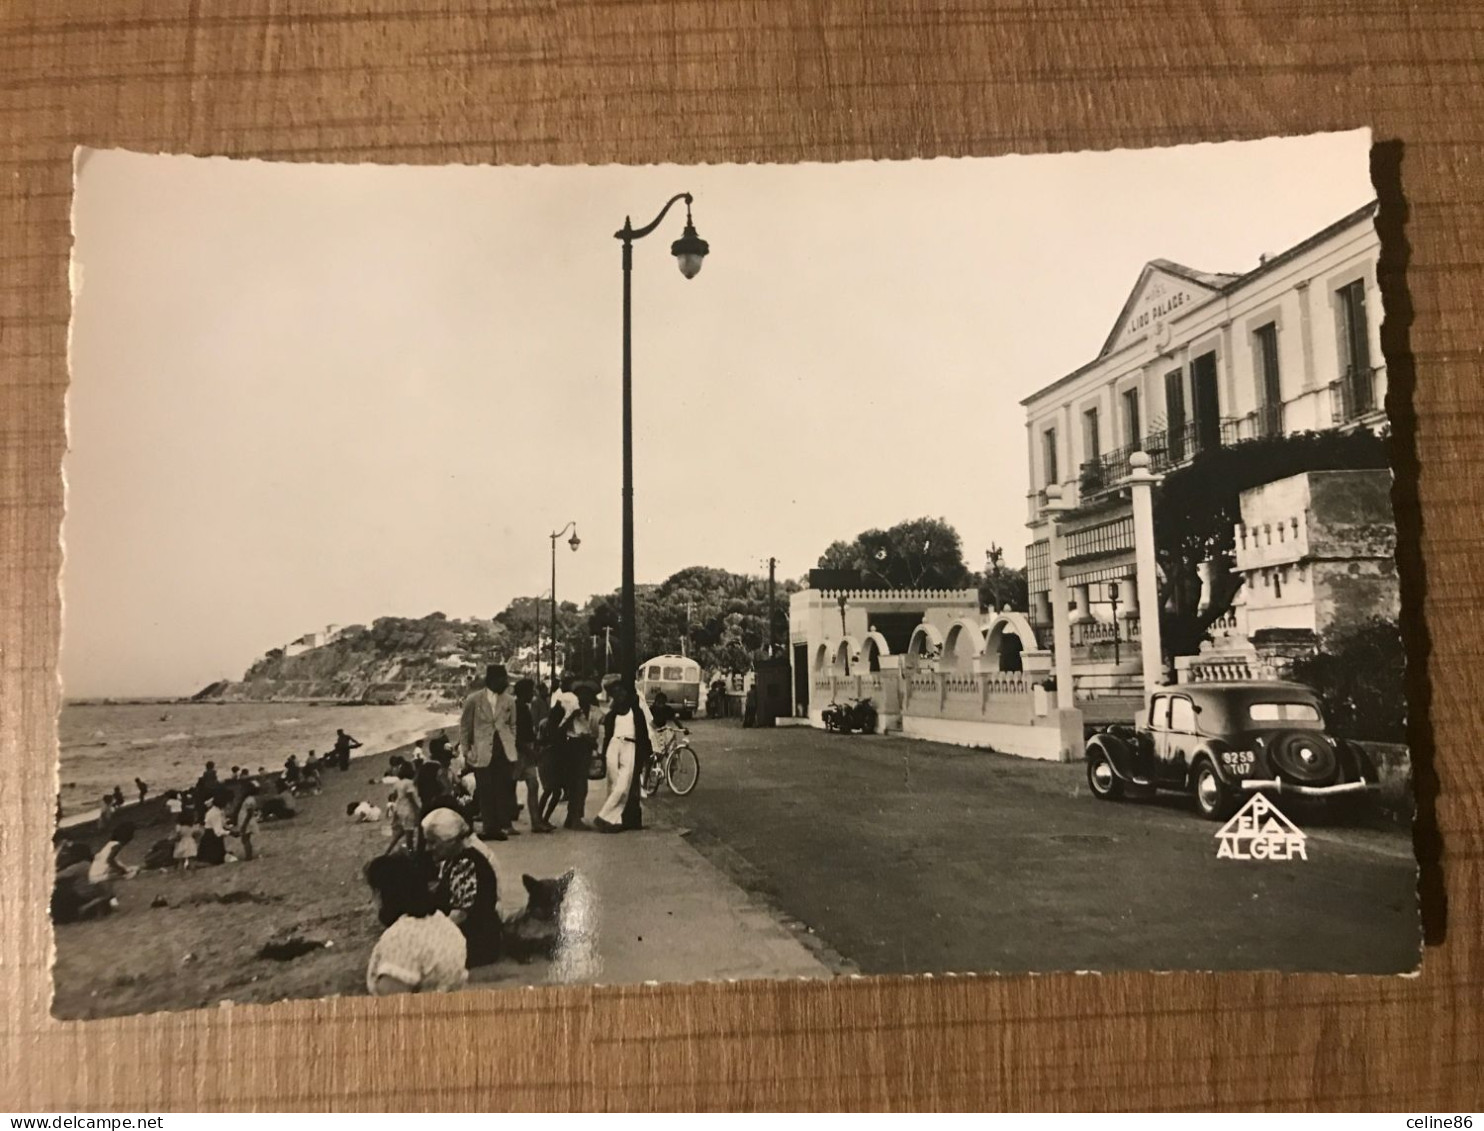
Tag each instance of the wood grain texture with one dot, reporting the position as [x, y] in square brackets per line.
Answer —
[621, 80]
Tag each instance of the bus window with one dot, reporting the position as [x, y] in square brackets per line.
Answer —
[654, 672]
[673, 675]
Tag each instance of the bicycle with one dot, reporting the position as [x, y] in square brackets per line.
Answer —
[674, 765]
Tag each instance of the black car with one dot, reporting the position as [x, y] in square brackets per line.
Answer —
[1225, 741]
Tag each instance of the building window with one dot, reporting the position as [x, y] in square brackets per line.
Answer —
[1175, 413]
[1048, 454]
[1357, 380]
[1207, 402]
[1269, 385]
[1131, 424]
[1091, 440]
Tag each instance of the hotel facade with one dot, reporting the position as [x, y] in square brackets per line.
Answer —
[1197, 360]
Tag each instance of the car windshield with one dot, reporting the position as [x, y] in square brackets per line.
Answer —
[1283, 712]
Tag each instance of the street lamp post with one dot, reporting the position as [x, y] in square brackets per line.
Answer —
[1113, 600]
[689, 250]
[574, 542]
[844, 604]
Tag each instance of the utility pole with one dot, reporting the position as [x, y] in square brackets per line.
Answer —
[685, 636]
[772, 569]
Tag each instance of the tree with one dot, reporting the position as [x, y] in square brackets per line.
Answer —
[920, 553]
[1198, 506]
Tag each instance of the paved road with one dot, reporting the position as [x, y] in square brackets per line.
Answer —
[910, 857]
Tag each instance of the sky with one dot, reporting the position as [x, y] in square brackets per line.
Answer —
[313, 394]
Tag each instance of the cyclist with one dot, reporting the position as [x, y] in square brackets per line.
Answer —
[663, 717]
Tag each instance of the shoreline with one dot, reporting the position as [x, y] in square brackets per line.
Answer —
[127, 757]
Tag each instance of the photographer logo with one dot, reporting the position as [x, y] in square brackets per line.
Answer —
[1260, 831]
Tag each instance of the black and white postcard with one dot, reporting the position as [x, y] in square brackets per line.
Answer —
[484, 577]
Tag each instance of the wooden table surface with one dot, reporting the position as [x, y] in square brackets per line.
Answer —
[709, 80]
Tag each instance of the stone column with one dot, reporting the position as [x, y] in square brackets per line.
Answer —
[1146, 578]
[1061, 621]
[1128, 597]
[1083, 603]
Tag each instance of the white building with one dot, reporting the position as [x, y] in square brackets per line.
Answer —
[1194, 360]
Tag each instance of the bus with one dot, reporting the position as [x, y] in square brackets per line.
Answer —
[679, 677]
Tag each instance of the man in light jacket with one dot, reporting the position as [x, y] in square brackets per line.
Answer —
[487, 734]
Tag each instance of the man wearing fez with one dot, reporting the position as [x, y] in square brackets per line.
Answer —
[487, 732]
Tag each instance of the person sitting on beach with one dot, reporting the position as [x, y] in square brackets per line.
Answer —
[187, 840]
[468, 890]
[118, 797]
[405, 810]
[419, 753]
[291, 770]
[105, 866]
[435, 790]
[143, 787]
[213, 848]
[422, 950]
[363, 811]
[173, 803]
[107, 810]
[73, 896]
[309, 774]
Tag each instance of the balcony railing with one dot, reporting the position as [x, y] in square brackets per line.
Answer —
[1166, 449]
[1354, 394]
[1268, 420]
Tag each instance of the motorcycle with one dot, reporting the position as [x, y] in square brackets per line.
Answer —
[857, 715]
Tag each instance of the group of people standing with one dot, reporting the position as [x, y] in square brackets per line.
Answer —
[506, 742]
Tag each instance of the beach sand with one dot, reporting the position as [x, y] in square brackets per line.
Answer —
[202, 948]
[644, 907]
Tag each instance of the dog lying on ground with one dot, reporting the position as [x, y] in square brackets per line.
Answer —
[535, 930]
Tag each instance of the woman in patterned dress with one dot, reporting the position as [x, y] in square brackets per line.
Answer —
[467, 889]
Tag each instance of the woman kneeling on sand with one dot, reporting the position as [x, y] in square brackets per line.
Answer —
[421, 951]
[467, 889]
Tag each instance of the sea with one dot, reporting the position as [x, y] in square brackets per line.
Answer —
[107, 744]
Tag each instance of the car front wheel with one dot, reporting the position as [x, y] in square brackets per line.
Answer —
[1101, 779]
[1212, 796]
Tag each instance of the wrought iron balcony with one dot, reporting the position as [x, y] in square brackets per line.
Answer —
[1268, 420]
[1166, 449]
[1354, 394]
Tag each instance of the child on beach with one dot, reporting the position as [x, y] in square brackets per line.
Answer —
[173, 804]
[247, 818]
[402, 803]
[187, 837]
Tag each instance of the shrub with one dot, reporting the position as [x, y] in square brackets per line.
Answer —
[1360, 674]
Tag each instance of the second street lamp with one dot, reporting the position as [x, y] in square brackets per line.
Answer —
[689, 250]
[574, 542]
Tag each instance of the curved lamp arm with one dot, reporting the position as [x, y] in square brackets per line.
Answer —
[563, 530]
[629, 233]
